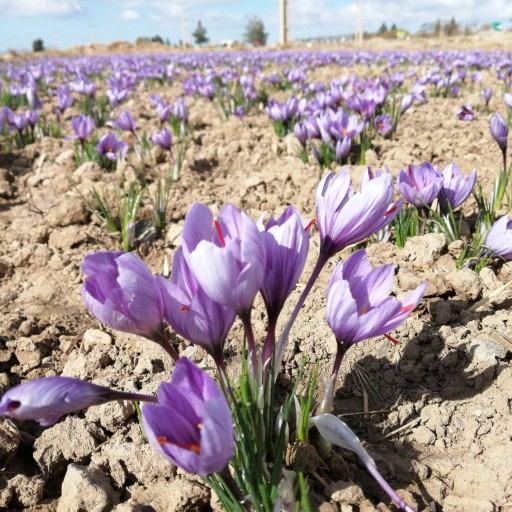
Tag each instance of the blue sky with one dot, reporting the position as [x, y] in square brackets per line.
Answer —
[64, 23]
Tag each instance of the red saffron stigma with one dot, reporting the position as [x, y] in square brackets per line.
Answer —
[391, 210]
[219, 232]
[161, 440]
[184, 308]
[395, 342]
[310, 223]
[410, 307]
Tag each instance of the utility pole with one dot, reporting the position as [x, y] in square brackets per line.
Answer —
[283, 22]
[359, 28]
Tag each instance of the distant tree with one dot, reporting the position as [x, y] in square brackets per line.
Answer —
[393, 27]
[383, 29]
[438, 28]
[451, 28]
[255, 32]
[38, 45]
[199, 34]
[157, 39]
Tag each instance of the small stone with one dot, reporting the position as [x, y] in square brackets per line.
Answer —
[440, 311]
[486, 350]
[344, 492]
[10, 439]
[425, 249]
[70, 440]
[185, 495]
[111, 415]
[27, 491]
[27, 353]
[173, 235]
[67, 238]
[466, 283]
[423, 435]
[67, 156]
[86, 488]
[95, 338]
[70, 210]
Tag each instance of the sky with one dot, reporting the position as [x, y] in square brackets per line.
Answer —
[64, 23]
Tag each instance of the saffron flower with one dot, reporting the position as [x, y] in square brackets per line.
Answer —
[191, 313]
[358, 302]
[466, 113]
[456, 187]
[111, 147]
[286, 242]
[192, 425]
[499, 131]
[121, 292]
[383, 124]
[345, 218]
[499, 238]
[162, 138]
[83, 127]
[124, 122]
[226, 256]
[420, 185]
[46, 400]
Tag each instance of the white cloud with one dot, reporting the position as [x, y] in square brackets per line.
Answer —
[130, 15]
[40, 7]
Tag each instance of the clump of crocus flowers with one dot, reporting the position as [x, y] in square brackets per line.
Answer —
[232, 434]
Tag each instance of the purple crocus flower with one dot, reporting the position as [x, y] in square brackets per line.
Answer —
[191, 313]
[162, 138]
[466, 113]
[46, 400]
[301, 133]
[227, 256]
[19, 121]
[358, 302]
[487, 95]
[406, 103]
[32, 118]
[111, 147]
[116, 96]
[124, 122]
[456, 187]
[345, 218]
[163, 111]
[286, 242]
[507, 97]
[499, 238]
[383, 124]
[83, 127]
[499, 131]
[180, 109]
[121, 292]
[64, 99]
[420, 185]
[192, 425]
[239, 111]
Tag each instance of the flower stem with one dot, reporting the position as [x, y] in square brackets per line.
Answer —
[251, 344]
[372, 469]
[160, 338]
[283, 339]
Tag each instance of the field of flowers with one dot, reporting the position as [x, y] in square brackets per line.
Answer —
[201, 237]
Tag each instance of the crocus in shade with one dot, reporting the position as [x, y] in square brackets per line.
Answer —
[226, 256]
[46, 400]
[121, 292]
[345, 218]
[499, 238]
[191, 313]
[456, 187]
[420, 185]
[192, 425]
